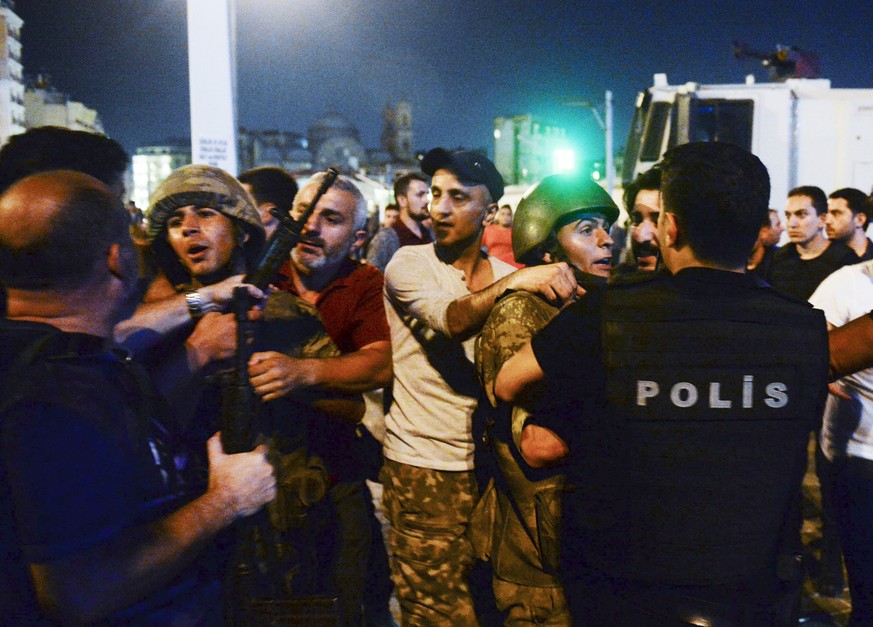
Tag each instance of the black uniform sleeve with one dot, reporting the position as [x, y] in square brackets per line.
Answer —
[569, 350]
[572, 339]
[68, 481]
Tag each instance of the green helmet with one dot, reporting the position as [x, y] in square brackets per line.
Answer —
[550, 204]
[203, 186]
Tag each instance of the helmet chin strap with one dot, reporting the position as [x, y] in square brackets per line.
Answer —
[584, 279]
[237, 263]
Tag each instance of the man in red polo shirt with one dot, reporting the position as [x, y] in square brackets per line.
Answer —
[348, 297]
[497, 237]
[347, 294]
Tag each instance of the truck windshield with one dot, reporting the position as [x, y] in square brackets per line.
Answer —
[719, 120]
[653, 135]
[646, 134]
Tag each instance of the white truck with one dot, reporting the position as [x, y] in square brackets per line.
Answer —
[805, 131]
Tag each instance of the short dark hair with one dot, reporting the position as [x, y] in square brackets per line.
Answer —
[856, 200]
[77, 236]
[815, 194]
[271, 184]
[650, 179]
[401, 185]
[47, 148]
[719, 194]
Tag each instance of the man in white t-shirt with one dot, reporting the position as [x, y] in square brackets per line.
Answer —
[438, 296]
[847, 436]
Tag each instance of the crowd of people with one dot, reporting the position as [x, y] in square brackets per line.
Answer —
[576, 421]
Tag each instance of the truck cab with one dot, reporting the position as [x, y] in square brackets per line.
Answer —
[805, 131]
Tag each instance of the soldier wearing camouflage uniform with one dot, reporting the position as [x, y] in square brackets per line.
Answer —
[564, 218]
[204, 232]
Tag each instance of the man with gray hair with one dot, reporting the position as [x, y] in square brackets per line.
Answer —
[348, 297]
[347, 294]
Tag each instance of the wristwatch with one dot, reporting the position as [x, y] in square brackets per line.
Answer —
[195, 303]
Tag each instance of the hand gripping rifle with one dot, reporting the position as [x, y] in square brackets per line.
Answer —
[252, 578]
[237, 433]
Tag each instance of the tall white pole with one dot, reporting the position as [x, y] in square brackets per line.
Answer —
[212, 79]
[610, 166]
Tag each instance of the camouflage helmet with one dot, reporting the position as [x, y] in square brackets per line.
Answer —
[549, 205]
[201, 186]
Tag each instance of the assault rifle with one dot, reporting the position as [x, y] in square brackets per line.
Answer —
[255, 594]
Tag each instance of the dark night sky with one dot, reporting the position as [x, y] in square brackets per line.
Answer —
[460, 64]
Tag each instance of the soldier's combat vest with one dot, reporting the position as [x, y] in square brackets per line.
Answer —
[298, 543]
[694, 474]
[525, 553]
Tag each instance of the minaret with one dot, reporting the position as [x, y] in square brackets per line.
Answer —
[403, 131]
[397, 131]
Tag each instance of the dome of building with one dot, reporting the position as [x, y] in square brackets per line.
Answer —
[333, 121]
[329, 126]
[344, 153]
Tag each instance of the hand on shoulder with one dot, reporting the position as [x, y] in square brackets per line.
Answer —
[555, 281]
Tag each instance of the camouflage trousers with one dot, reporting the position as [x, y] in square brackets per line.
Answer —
[431, 558]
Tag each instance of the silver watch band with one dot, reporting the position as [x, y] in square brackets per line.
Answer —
[195, 303]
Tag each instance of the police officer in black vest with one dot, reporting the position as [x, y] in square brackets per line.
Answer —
[683, 405]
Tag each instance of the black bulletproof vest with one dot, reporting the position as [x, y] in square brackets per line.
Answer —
[694, 473]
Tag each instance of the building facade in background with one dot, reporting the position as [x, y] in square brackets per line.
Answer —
[526, 150]
[152, 164]
[336, 142]
[283, 149]
[46, 106]
[397, 132]
[12, 115]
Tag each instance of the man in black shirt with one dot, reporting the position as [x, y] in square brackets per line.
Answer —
[685, 404]
[803, 263]
[95, 524]
[847, 220]
[411, 192]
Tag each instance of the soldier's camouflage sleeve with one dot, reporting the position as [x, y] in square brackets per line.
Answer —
[513, 321]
